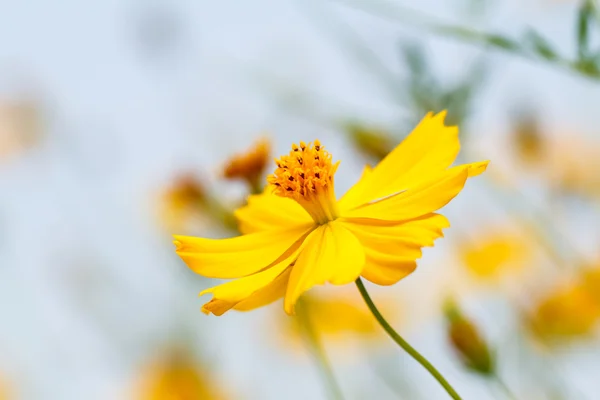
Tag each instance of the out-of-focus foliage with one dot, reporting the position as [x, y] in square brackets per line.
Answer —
[427, 93]
[531, 44]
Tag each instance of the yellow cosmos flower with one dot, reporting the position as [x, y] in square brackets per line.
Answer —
[298, 235]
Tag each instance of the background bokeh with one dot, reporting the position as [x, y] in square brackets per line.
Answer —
[117, 119]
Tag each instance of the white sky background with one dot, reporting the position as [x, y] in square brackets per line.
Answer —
[89, 286]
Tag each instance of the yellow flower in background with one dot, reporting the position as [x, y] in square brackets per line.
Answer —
[340, 321]
[298, 235]
[249, 166]
[19, 127]
[528, 141]
[591, 281]
[183, 201]
[494, 255]
[572, 311]
[572, 164]
[176, 377]
[337, 317]
[5, 392]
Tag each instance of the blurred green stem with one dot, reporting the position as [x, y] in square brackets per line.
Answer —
[316, 347]
[398, 13]
[402, 343]
[503, 386]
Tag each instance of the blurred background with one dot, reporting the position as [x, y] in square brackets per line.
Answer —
[123, 122]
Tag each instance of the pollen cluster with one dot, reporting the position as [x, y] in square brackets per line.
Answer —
[306, 172]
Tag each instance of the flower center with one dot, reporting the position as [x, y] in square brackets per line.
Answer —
[306, 175]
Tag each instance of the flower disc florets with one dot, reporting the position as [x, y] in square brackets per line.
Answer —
[306, 175]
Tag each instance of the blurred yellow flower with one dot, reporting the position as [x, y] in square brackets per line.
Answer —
[5, 393]
[19, 127]
[591, 281]
[297, 235]
[176, 377]
[337, 317]
[182, 202]
[571, 311]
[528, 141]
[571, 163]
[249, 166]
[494, 255]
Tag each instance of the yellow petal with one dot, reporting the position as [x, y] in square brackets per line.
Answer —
[387, 274]
[267, 211]
[431, 147]
[477, 168]
[426, 196]
[392, 248]
[250, 292]
[330, 254]
[242, 255]
[273, 291]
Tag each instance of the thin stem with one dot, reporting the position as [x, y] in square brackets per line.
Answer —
[402, 343]
[318, 351]
[408, 16]
[504, 387]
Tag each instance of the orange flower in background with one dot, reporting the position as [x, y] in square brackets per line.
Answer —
[19, 127]
[249, 166]
[298, 235]
[528, 141]
[186, 199]
[176, 377]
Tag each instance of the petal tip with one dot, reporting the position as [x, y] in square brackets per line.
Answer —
[478, 168]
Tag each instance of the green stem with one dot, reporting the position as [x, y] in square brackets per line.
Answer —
[502, 385]
[408, 16]
[318, 351]
[402, 343]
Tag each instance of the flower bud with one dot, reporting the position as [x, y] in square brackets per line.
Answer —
[467, 341]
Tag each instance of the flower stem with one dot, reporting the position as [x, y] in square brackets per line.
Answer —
[318, 351]
[402, 343]
[504, 387]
